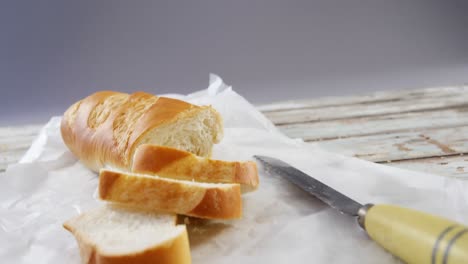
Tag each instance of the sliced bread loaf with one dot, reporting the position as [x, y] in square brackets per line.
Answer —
[115, 235]
[182, 165]
[204, 200]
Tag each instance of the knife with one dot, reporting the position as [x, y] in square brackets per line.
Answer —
[413, 236]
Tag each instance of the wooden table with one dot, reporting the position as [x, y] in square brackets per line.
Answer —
[424, 130]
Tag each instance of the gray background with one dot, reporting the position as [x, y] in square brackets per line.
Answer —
[53, 53]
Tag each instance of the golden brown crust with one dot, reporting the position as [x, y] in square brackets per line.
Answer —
[217, 201]
[81, 139]
[247, 174]
[178, 164]
[150, 158]
[214, 201]
[106, 182]
[92, 145]
[104, 128]
[176, 250]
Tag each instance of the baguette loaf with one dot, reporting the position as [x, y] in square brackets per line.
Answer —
[117, 235]
[182, 165]
[204, 200]
[105, 128]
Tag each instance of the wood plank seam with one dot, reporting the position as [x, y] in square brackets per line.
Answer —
[385, 132]
[331, 105]
[423, 158]
[422, 110]
[401, 95]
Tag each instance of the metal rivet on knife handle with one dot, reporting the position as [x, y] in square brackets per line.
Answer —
[362, 215]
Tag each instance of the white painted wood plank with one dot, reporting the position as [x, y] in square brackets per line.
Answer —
[377, 125]
[375, 108]
[10, 157]
[8, 132]
[406, 95]
[14, 142]
[402, 146]
[450, 166]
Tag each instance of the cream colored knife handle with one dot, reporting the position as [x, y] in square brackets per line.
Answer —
[416, 237]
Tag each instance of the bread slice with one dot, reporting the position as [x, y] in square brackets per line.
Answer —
[115, 235]
[182, 165]
[105, 128]
[204, 200]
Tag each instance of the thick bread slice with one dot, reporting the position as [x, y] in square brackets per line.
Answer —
[182, 165]
[204, 200]
[104, 129]
[117, 235]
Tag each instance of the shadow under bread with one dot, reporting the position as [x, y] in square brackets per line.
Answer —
[200, 230]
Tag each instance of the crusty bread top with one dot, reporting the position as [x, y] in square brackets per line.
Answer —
[104, 128]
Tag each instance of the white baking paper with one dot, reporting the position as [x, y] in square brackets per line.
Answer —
[281, 224]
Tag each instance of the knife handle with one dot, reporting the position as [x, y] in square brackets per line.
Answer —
[417, 237]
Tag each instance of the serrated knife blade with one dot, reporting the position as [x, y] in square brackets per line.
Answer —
[312, 186]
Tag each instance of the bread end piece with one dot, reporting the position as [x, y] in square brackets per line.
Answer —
[92, 228]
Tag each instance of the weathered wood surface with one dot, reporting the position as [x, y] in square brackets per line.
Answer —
[408, 129]
[384, 104]
[424, 130]
[374, 125]
[14, 141]
[421, 143]
[377, 97]
[450, 166]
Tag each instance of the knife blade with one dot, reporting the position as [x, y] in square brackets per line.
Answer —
[312, 186]
[413, 236]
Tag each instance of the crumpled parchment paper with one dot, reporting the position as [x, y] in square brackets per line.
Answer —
[281, 224]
